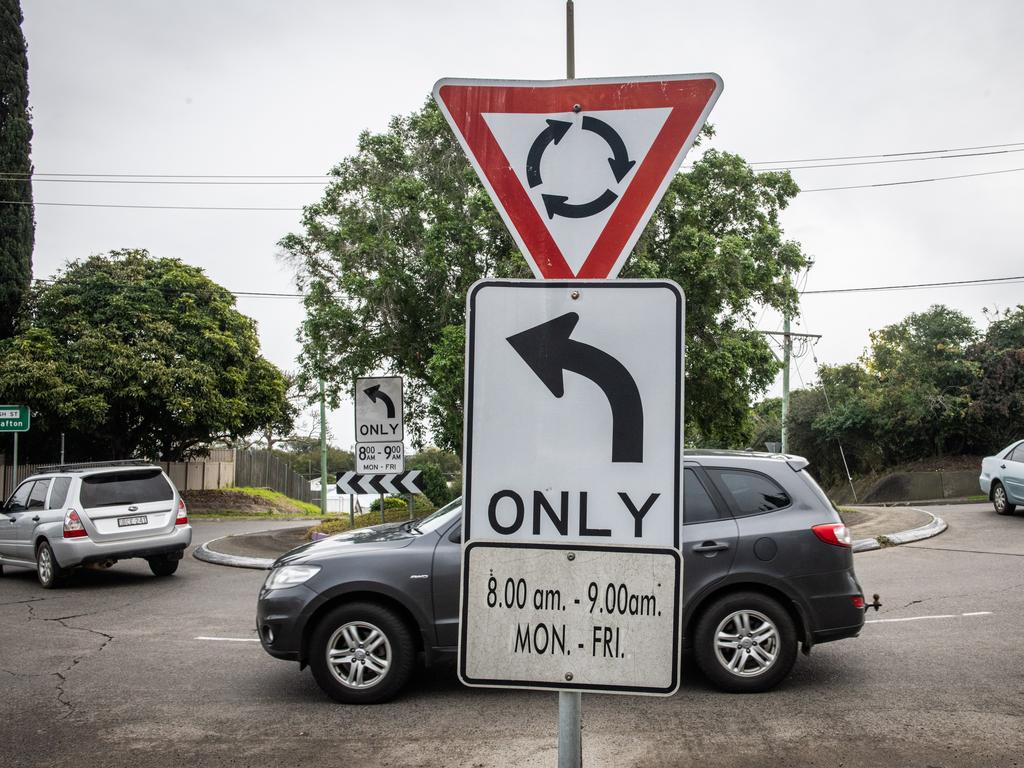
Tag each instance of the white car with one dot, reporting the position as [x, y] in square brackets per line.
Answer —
[1002, 478]
[71, 516]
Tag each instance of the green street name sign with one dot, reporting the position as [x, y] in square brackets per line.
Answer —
[14, 418]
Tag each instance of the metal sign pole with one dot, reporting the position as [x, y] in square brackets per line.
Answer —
[570, 703]
[14, 477]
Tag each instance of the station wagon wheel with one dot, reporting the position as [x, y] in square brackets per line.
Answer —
[1000, 500]
[745, 642]
[361, 653]
[48, 570]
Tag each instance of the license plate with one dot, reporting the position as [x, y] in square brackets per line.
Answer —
[124, 522]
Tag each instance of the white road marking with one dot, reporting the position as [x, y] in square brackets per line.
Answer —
[230, 639]
[921, 618]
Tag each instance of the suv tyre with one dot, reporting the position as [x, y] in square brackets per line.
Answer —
[745, 642]
[1000, 500]
[361, 653]
[48, 570]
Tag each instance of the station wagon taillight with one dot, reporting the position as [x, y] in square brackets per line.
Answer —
[835, 534]
[182, 518]
[73, 527]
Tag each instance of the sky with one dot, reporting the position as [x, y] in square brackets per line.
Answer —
[233, 87]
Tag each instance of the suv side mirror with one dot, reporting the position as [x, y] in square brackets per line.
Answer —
[456, 536]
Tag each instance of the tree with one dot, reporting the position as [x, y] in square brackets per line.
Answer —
[997, 396]
[405, 228]
[133, 355]
[17, 222]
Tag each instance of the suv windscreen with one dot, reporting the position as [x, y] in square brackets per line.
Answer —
[116, 488]
[440, 517]
[752, 493]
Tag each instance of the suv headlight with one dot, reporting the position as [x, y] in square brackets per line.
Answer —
[290, 576]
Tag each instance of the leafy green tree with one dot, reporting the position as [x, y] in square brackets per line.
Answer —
[923, 377]
[304, 458]
[435, 487]
[133, 355]
[17, 222]
[997, 396]
[405, 227]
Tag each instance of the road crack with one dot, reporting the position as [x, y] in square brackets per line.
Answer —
[62, 674]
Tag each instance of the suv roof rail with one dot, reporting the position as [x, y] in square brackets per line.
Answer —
[84, 465]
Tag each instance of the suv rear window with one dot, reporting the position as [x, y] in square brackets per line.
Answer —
[752, 493]
[115, 488]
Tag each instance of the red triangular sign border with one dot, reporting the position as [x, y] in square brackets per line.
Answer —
[464, 102]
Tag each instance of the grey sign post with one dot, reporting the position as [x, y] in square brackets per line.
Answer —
[15, 418]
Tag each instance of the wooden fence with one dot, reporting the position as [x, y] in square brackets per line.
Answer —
[222, 468]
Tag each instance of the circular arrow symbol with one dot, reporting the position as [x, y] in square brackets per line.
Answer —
[619, 162]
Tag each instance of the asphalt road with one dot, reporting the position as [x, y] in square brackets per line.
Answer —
[109, 672]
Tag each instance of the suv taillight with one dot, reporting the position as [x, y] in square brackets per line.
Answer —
[182, 518]
[835, 534]
[73, 527]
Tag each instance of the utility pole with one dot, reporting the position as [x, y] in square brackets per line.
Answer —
[787, 354]
[787, 357]
[323, 449]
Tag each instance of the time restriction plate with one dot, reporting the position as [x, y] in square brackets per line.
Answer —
[582, 618]
[573, 466]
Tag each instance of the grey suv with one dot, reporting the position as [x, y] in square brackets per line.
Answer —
[768, 567]
[55, 521]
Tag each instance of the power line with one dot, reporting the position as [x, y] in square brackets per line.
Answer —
[792, 164]
[293, 209]
[889, 154]
[911, 286]
[912, 181]
[153, 207]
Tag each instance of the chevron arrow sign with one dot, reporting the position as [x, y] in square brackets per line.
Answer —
[400, 482]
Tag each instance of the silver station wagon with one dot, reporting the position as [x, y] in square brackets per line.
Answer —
[96, 514]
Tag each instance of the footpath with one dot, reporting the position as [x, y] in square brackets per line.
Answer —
[871, 527]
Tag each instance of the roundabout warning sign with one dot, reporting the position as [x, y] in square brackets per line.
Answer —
[577, 167]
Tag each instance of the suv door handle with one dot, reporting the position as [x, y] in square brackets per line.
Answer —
[1002, 466]
[35, 519]
[711, 546]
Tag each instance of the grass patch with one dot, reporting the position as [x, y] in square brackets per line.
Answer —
[342, 524]
[246, 504]
[851, 517]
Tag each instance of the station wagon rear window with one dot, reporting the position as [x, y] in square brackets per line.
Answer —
[116, 488]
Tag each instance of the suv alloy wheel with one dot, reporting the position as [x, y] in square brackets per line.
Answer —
[362, 653]
[745, 642]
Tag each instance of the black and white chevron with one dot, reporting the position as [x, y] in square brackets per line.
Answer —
[396, 482]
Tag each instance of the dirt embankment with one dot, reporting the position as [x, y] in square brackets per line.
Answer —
[236, 502]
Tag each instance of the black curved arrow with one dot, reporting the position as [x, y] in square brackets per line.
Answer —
[376, 482]
[553, 133]
[620, 162]
[374, 392]
[556, 205]
[548, 350]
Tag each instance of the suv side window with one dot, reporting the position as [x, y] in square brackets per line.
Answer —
[1017, 454]
[59, 494]
[697, 504]
[19, 499]
[751, 492]
[37, 499]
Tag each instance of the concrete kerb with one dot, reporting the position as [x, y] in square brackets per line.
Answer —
[933, 528]
[204, 553]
